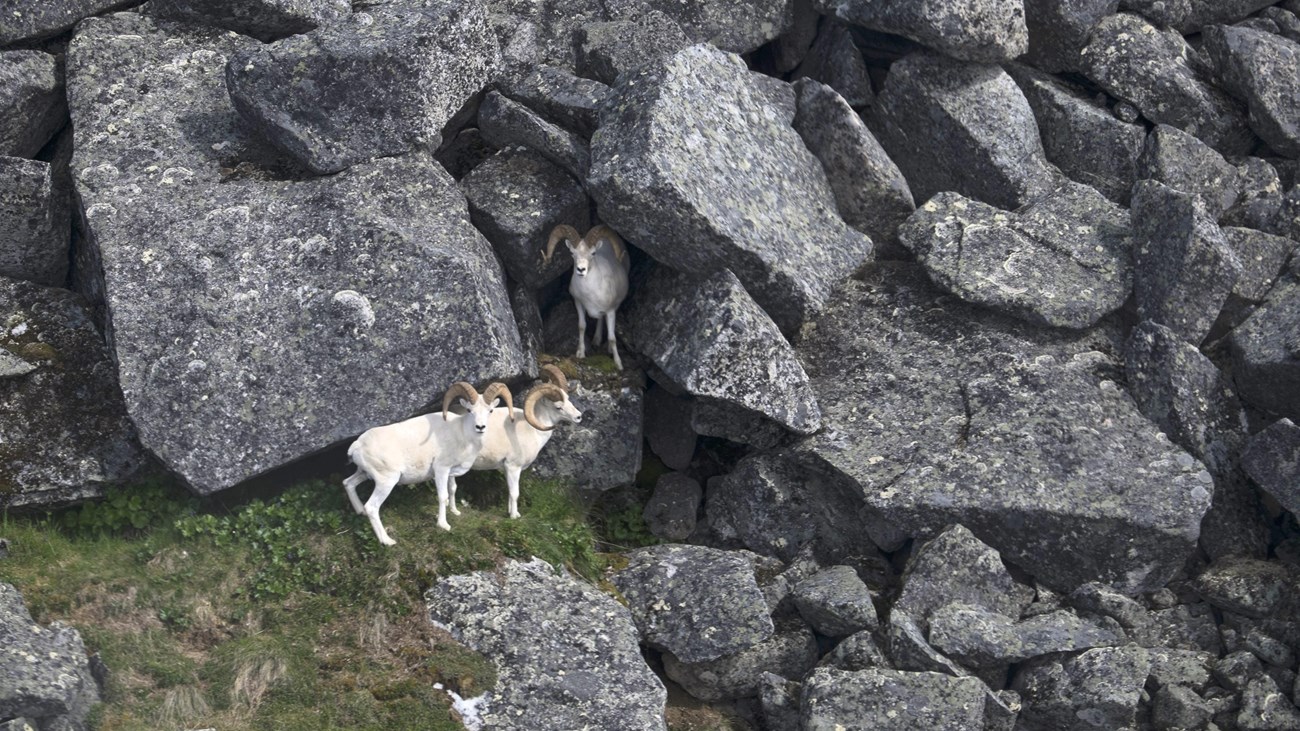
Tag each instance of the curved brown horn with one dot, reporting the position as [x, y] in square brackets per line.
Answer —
[554, 375]
[459, 387]
[500, 389]
[549, 390]
[559, 233]
[605, 232]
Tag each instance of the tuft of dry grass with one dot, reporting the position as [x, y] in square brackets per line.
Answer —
[182, 707]
[253, 678]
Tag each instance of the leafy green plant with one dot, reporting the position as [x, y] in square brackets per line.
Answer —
[129, 510]
[626, 528]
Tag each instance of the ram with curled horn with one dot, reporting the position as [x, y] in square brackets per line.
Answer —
[438, 446]
[599, 282]
[512, 444]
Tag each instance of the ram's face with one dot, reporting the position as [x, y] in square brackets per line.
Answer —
[479, 411]
[568, 411]
[582, 254]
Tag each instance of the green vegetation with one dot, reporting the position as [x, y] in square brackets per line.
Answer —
[283, 613]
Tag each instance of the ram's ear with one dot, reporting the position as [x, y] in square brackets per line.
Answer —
[569, 244]
[468, 406]
[495, 403]
[599, 243]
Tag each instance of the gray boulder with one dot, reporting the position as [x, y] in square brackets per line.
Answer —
[979, 638]
[1266, 352]
[738, 26]
[856, 652]
[909, 650]
[1153, 69]
[1177, 707]
[566, 654]
[571, 101]
[515, 198]
[1005, 428]
[1081, 136]
[835, 602]
[1262, 69]
[44, 672]
[608, 50]
[670, 512]
[955, 566]
[712, 340]
[50, 18]
[714, 418]
[1063, 260]
[1184, 163]
[1183, 268]
[835, 61]
[528, 318]
[1261, 197]
[1265, 707]
[890, 700]
[789, 49]
[64, 432]
[1250, 587]
[953, 126]
[700, 169]
[391, 77]
[1187, 668]
[1058, 30]
[504, 122]
[34, 220]
[1189, 16]
[253, 314]
[265, 20]
[668, 427]
[1272, 459]
[32, 104]
[1097, 689]
[1102, 600]
[870, 191]
[1262, 256]
[790, 652]
[540, 31]
[971, 30]
[779, 700]
[604, 451]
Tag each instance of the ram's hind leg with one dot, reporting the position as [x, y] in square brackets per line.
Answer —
[582, 330]
[512, 484]
[383, 486]
[451, 495]
[350, 485]
[440, 478]
[613, 344]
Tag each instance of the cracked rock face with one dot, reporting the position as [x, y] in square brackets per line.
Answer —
[238, 346]
[940, 415]
[566, 654]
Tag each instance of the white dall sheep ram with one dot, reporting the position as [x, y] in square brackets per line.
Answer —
[599, 281]
[414, 450]
[512, 446]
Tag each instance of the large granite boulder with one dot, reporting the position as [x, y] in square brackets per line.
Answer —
[971, 30]
[979, 638]
[696, 163]
[64, 433]
[1266, 352]
[265, 20]
[953, 126]
[955, 566]
[34, 220]
[604, 451]
[698, 603]
[891, 700]
[566, 654]
[835, 602]
[45, 675]
[32, 103]
[739, 26]
[1264, 70]
[940, 413]
[711, 340]
[1063, 260]
[1154, 70]
[391, 78]
[505, 122]
[572, 101]
[47, 18]
[256, 318]
[1272, 459]
[1184, 163]
[1097, 689]
[1080, 136]
[607, 50]
[1058, 30]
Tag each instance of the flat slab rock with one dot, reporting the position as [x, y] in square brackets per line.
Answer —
[697, 165]
[566, 654]
[44, 673]
[265, 20]
[64, 432]
[941, 413]
[979, 638]
[971, 30]
[257, 318]
[1063, 260]
[891, 700]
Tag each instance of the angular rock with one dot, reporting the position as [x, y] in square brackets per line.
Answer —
[542, 31]
[909, 650]
[670, 512]
[1236, 669]
[391, 77]
[979, 638]
[608, 50]
[64, 433]
[1152, 69]
[1058, 30]
[604, 451]
[1261, 68]
[710, 339]
[790, 653]
[939, 413]
[1260, 201]
[32, 103]
[789, 50]
[265, 20]
[668, 428]
[1101, 599]
[1063, 260]
[34, 221]
[698, 168]
[714, 418]
[779, 700]
[738, 26]
[1272, 459]
[570, 100]
[1190, 668]
[1097, 689]
[1176, 707]
[566, 654]
[1185, 627]
[835, 602]
[952, 126]
[1264, 707]
[698, 603]
[252, 314]
[49, 17]
[504, 123]
[1183, 268]
[1184, 163]
[515, 198]
[1081, 136]
[891, 700]
[44, 672]
[870, 191]
[1266, 352]
[955, 566]
[1249, 587]
[1262, 256]
[856, 652]
[971, 30]
[836, 62]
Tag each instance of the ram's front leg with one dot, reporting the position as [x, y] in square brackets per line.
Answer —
[440, 478]
[451, 495]
[512, 483]
[582, 330]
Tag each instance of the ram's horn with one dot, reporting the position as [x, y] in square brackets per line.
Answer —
[554, 375]
[459, 387]
[549, 390]
[605, 232]
[501, 390]
[560, 233]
